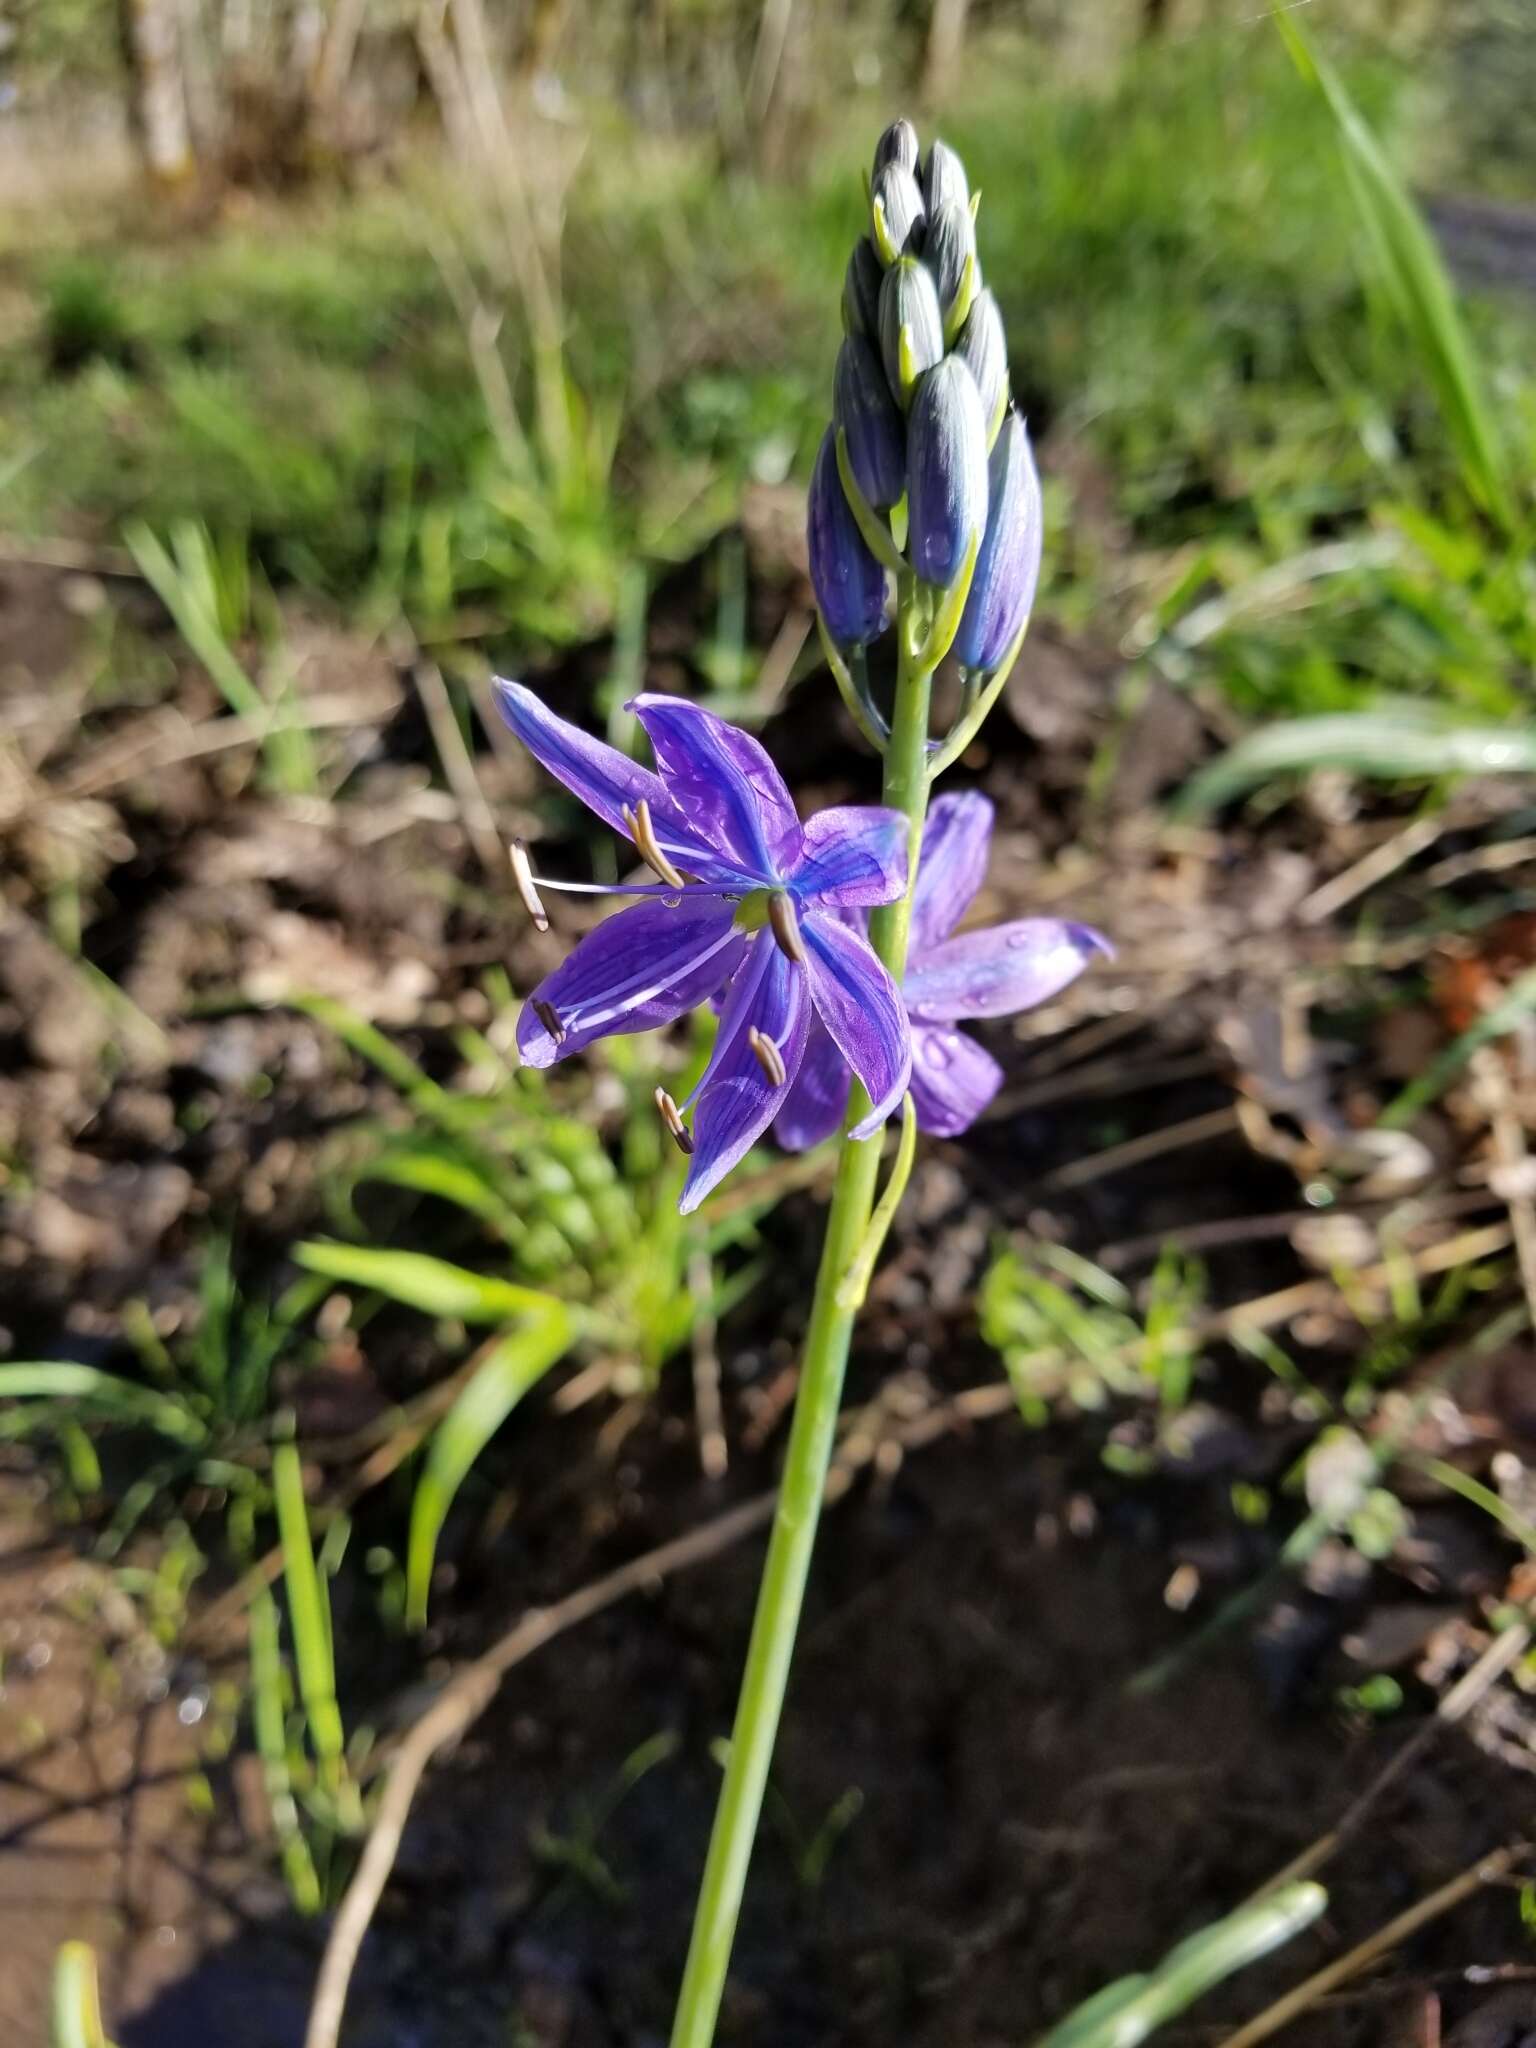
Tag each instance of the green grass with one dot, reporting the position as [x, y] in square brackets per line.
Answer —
[299, 379]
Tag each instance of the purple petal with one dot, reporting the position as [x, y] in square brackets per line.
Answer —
[818, 1095]
[855, 855]
[953, 1079]
[735, 1101]
[862, 1008]
[639, 969]
[993, 973]
[724, 784]
[604, 779]
[956, 841]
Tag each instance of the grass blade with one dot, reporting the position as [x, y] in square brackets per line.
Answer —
[119, 1400]
[1419, 285]
[1406, 741]
[77, 1999]
[269, 1719]
[514, 1364]
[1126, 2013]
[1507, 1014]
[435, 1286]
[309, 1616]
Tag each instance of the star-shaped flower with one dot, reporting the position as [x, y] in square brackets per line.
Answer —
[769, 916]
[990, 973]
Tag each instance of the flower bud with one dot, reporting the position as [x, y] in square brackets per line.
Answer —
[1008, 566]
[861, 291]
[897, 208]
[943, 179]
[948, 247]
[981, 347]
[863, 407]
[898, 145]
[911, 326]
[849, 582]
[946, 471]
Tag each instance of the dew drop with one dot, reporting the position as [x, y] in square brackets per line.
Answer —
[936, 1053]
[1020, 942]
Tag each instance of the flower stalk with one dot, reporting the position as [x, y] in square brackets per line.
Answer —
[813, 1428]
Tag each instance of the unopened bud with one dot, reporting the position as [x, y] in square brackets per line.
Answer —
[861, 291]
[949, 251]
[898, 145]
[911, 326]
[849, 582]
[1008, 566]
[863, 407]
[943, 179]
[981, 346]
[898, 213]
[946, 472]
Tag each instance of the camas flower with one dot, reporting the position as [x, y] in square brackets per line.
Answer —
[990, 973]
[770, 918]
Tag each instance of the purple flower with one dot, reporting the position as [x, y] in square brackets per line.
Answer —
[764, 919]
[990, 973]
[848, 581]
[1008, 566]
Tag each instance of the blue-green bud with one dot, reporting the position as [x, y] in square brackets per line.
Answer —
[848, 581]
[863, 407]
[948, 248]
[946, 471]
[943, 179]
[981, 347]
[898, 214]
[861, 291]
[1008, 566]
[898, 145]
[911, 326]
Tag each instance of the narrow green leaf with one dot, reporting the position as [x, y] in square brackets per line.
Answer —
[1406, 741]
[307, 1614]
[77, 1999]
[268, 1721]
[1510, 1011]
[420, 1281]
[513, 1365]
[120, 1400]
[1125, 2013]
[1419, 285]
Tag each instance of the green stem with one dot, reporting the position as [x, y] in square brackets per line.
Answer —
[811, 1437]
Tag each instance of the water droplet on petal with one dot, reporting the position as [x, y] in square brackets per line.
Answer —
[1020, 942]
[936, 1053]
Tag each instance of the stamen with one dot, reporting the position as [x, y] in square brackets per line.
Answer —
[672, 1117]
[769, 1058]
[786, 926]
[549, 1017]
[522, 875]
[643, 832]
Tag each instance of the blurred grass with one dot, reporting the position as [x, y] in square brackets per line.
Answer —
[299, 377]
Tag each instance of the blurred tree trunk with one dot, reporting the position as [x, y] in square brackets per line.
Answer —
[545, 21]
[946, 47]
[152, 36]
[1154, 17]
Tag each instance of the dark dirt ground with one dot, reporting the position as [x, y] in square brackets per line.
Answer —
[1026, 1828]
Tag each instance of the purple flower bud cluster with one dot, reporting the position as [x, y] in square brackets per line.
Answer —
[925, 464]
